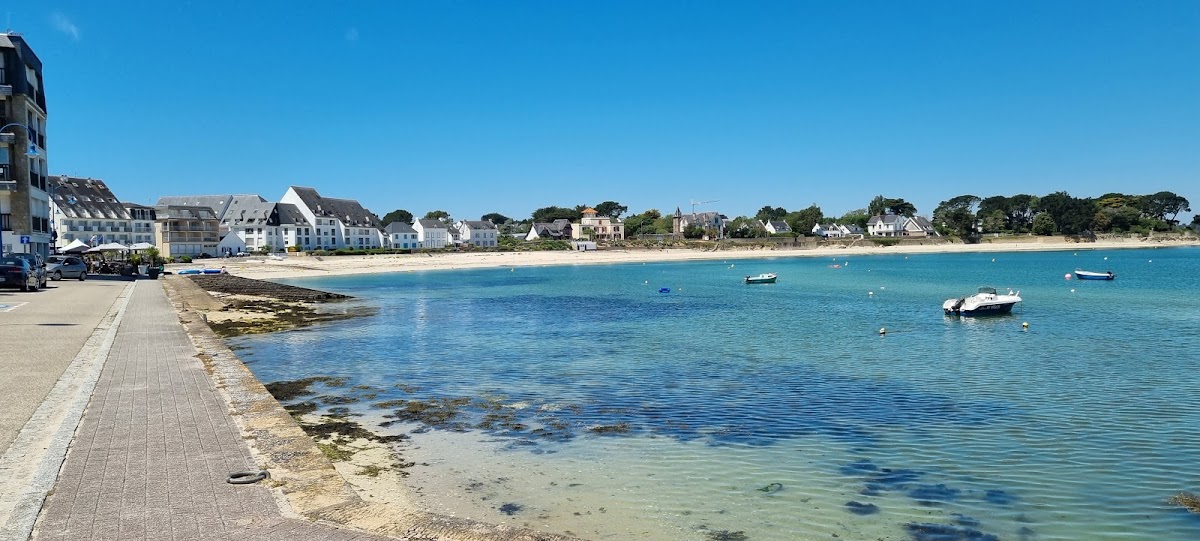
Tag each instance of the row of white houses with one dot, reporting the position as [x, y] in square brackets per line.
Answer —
[305, 219]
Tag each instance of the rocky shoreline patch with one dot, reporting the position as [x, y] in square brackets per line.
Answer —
[247, 306]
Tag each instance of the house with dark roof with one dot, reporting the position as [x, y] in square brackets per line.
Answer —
[87, 210]
[919, 226]
[886, 225]
[402, 236]
[891, 225]
[775, 227]
[836, 230]
[253, 224]
[482, 234]
[556, 230]
[432, 233]
[337, 223]
[218, 203]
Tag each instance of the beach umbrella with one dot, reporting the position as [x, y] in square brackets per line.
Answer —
[141, 246]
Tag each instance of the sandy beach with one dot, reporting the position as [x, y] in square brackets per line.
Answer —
[308, 266]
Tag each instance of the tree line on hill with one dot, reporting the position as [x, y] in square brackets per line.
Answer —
[965, 216]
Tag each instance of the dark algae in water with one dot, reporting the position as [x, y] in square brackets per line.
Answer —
[285, 391]
[1186, 500]
[927, 531]
[859, 508]
[510, 508]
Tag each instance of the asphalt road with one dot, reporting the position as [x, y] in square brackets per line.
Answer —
[40, 334]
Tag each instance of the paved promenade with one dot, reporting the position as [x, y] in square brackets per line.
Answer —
[151, 455]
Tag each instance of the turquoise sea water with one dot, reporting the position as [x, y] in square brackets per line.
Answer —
[778, 412]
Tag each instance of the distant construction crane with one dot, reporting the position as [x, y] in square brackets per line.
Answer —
[694, 203]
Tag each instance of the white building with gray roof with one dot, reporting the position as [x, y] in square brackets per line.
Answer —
[432, 233]
[336, 223]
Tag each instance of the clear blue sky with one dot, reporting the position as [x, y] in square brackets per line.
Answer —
[506, 106]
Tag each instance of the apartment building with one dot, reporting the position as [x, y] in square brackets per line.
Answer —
[25, 221]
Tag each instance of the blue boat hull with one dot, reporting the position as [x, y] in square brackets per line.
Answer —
[988, 310]
[1093, 277]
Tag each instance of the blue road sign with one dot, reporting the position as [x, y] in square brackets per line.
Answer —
[24, 239]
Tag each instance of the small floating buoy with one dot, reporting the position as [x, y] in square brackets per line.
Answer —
[1151, 261]
[882, 331]
[1072, 291]
[646, 282]
[882, 287]
[512, 270]
[993, 260]
[1106, 258]
[1025, 325]
[870, 293]
[1067, 276]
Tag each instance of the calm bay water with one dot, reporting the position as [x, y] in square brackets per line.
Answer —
[596, 405]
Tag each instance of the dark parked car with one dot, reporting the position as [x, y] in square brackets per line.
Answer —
[16, 272]
[36, 263]
[70, 266]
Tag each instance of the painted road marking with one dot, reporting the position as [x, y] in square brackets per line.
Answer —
[11, 307]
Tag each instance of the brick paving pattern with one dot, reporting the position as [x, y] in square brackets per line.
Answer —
[153, 450]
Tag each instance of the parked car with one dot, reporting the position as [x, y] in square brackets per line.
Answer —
[37, 264]
[61, 267]
[16, 272]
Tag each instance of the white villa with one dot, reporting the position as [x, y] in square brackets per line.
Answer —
[837, 231]
[776, 226]
[401, 235]
[432, 233]
[556, 230]
[603, 227]
[482, 234]
[890, 225]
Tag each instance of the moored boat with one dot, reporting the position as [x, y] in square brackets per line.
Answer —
[1089, 275]
[984, 303]
[766, 278]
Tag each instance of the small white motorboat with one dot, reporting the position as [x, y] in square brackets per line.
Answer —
[767, 278]
[984, 303]
[1089, 275]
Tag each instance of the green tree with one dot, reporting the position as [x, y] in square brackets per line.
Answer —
[1043, 224]
[693, 231]
[745, 227]
[495, 218]
[549, 214]
[858, 217]
[611, 209]
[398, 215]
[768, 213]
[1161, 204]
[901, 207]
[1071, 215]
[642, 224]
[956, 216]
[877, 206]
[883, 205]
[1021, 208]
[995, 222]
[437, 215]
[802, 221]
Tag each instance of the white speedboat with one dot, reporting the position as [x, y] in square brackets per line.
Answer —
[984, 303]
[1089, 275]
[767, 278]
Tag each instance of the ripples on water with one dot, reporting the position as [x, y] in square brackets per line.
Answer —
[1077, 428]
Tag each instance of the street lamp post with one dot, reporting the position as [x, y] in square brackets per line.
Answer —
[32, 152]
